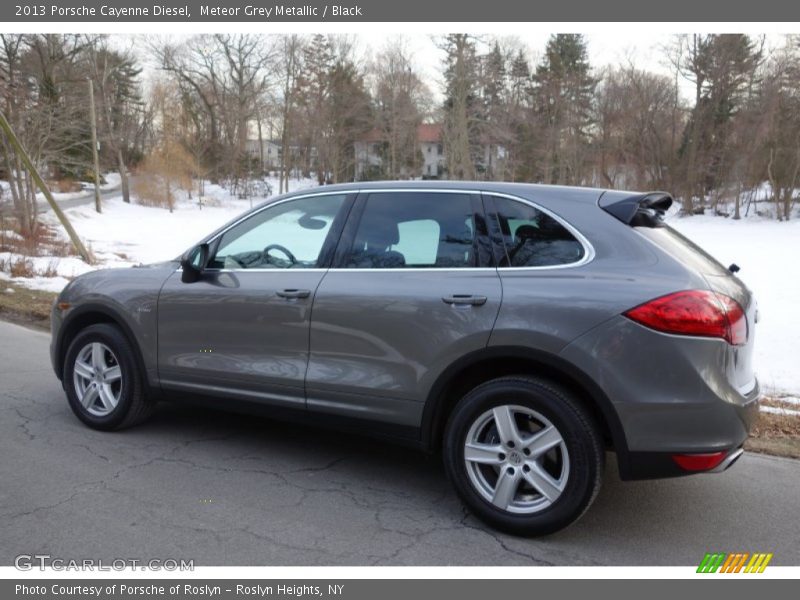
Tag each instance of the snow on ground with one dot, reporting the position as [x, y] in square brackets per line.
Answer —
[768, 252]
[780, 411]
[127, 234]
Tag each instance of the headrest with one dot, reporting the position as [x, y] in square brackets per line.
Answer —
[380, 233]
[526, 232]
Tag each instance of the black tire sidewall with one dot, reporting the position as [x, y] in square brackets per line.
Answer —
[579, 436]
[119, 345]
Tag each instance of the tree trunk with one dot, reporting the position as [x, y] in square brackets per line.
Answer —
[123, 177]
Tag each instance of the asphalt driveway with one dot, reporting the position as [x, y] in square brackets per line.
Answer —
[231, 490]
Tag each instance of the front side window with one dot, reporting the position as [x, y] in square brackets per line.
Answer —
[533, 238]
[289, 235]
[414, 230]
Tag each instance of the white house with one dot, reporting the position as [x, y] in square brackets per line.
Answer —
[429, 138]
[267, 151]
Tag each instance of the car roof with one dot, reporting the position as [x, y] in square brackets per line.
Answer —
[532, 191]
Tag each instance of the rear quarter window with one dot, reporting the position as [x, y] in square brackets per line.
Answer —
[532, 238]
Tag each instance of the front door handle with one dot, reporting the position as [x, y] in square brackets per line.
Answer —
[465, 299]
[289, 294]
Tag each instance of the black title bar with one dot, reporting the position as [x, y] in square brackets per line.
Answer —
[393, 11]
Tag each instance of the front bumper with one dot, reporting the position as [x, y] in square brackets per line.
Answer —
[55, 328]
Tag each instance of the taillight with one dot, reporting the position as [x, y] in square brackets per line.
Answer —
[694, 312]
[699, 462]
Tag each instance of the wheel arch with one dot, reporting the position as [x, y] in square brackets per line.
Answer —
[84, 316]
[492, 362]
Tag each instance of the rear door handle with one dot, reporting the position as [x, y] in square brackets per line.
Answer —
[465, 299]
[293, 293]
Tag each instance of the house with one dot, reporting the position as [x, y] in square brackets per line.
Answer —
[369, 152]
[490, 156]
[268, 152]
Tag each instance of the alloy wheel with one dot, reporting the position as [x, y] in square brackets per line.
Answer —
[516, 459]
[97, 378]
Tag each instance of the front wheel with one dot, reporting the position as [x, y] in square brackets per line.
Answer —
[524, 455]
[103, 382]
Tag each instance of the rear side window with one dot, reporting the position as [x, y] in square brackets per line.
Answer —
[533, 238]
[414, 230]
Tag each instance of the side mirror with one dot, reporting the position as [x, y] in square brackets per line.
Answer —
[194, 263]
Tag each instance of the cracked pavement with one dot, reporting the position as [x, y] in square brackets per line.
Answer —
[227, 489]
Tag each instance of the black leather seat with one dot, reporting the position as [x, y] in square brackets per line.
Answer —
[371, 250]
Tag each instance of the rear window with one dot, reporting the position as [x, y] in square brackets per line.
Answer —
[414, 230]
[683, 249]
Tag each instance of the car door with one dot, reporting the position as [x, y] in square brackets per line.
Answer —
[412, 288]
[242, 329]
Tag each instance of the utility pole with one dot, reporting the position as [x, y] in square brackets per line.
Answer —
[26, 160]
[97, 205]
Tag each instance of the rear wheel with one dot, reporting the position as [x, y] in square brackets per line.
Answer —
[524, 455]
[103, 382]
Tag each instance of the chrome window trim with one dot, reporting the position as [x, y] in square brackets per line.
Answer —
[589, 252]
[411, 269]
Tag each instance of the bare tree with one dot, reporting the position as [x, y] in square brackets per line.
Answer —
[116, 77]
[44, 93]
[224, 80]
[401, 101]
[633, 143]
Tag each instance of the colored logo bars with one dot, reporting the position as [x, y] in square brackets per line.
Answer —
[734, 563]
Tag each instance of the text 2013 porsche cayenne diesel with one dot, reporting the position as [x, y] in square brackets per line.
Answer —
[520, 329]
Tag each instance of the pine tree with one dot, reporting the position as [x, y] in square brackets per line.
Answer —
[563, 88]
[495, 118]
[461, 105]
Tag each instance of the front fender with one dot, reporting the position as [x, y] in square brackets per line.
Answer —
[126, 297]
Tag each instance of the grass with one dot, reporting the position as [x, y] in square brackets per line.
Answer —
[25, 306]
[778, 435]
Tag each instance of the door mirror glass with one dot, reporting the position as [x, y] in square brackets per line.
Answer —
[194, 263]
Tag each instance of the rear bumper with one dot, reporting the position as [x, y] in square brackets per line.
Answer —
[673, 395]
[661, 465]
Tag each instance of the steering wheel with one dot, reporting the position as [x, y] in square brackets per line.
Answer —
[289, 255]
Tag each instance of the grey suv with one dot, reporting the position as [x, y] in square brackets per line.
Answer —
[521, 330]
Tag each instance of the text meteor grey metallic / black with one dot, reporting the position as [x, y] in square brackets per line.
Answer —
[521, 330]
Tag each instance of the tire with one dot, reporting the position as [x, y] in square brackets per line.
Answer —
[118, 399]
[552, 467]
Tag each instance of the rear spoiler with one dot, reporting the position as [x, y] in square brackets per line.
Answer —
[640, 210]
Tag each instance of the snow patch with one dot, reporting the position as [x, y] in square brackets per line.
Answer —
[780, 411]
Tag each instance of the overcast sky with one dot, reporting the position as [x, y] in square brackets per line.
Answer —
[603, 50]
[644, 48]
